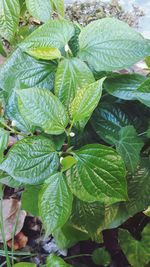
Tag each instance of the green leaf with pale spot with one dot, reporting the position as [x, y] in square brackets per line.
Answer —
[98, 175]
[47, 53]
[42, 109]
[55, 261]
[31, 160]
[110, 44]
[72, 75]
[39, 9]
[129, 146]
[9, 18]
[86, 101]
[55, 202]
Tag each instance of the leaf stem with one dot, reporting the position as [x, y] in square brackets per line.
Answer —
[12, 130]
[77, 256]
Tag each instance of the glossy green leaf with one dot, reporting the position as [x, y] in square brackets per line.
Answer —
[67, 163]
[4, 138]
[100, 256]
[9, 18]
[72, 74]
[87, 217]
[129, 87]
[68, 236]
[59, 6]
[55, 261]
[129, 146]
[99, 174]
[109, 44]
[139, 198]
[2, 50]
[74, 41]
[55, 202]
[137, 252]
[39, 9]
[47, 53]
[42, 109]
[86, 101]
[31, 193]
[24, 264]
[54, 33]
[13, 114]
[109, 117]
[6, 179]
[21, 70]
[31, 160]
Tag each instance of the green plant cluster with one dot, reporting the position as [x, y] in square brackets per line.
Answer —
[83, 153]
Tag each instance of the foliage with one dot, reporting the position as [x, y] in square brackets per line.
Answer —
[83, 153]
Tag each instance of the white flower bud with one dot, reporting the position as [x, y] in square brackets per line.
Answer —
[72, 134]
[61, 158]
[66, 48]
[13, 123]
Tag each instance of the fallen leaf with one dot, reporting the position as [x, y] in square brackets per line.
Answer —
[20, 241]
[12, 215]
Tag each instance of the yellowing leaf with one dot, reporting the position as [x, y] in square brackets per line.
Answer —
[47, 53]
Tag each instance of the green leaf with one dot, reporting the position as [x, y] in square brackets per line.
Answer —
[47, 53]
[100, 256]
[147, 211]
[67, 163]
[129, 146]
[109, 44]
[55, 203]
[139, 198]
[72, 74]
[39, 9]
[147, 61]
[129, 87]
[99, 174]
[6, 179]
[54, 33]
[137, 252]
[86, 101]
[74, 41]
[24, 264]
[68, 236]
[109, 118]
[21, 70]
[2, 50]
[55, 261]
[42, 109]
[59, 7]
[4, 138]
[9, 18]
[31, 160]
[13, 114]
[31, 193]
[86, 217]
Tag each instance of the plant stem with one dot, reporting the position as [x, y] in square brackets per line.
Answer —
[77, 256]
[68, 134]
[12, 130]
[13, 238]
